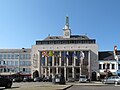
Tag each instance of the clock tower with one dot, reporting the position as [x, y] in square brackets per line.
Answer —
[66, 29]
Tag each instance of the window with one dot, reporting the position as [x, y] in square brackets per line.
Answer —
[113, 66]
[100, 66]
[12, 56]
[8, 56]
[3, 62]
[12, 63]
[43, 61]
[23, 69]
[8, 63]
[118, 66]
[104, 66]
[21, 56]
[27, 63]
[16, 56]
[70, 70]
[22, 63]
[27, 56]
[16, 63]
[24, 56]
[4, 56]
[108, 66]
[77, 70]
[1, 56]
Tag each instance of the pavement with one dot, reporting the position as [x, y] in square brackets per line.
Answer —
[39, 86]
[48, 85]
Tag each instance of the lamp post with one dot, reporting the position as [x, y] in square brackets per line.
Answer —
[23, 50]
[19, 62]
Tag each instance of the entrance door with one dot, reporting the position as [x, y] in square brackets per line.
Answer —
[94, 76]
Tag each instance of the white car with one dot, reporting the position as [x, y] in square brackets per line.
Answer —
[83, 78]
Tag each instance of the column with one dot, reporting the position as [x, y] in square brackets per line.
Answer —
[39, 63]
[60, 59]
[73, 73]
[67, 62]
[46, 61]
[45, 72]
[53, 71]
[53, 61]
[49, 70]
[89, 69]
[80, 69]
[65, 72]
[41, 70]
[74, 61]
[56, 70]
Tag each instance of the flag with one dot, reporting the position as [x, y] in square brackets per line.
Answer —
[51, 53]
[66, 55]
[82, 56]
[74, 55]
[56, 54]
[45, 54]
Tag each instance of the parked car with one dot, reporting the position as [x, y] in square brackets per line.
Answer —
[27, 79]
[37, 79]
[112, 80]
[47, 79]
[5, 82]
[70, 79]
[59, 79]
[83, 79]
[17, 79]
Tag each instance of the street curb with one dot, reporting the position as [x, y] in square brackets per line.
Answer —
[90, 84]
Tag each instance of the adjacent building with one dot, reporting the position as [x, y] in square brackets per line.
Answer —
[109, 61]
[69, 55]
[15, 61]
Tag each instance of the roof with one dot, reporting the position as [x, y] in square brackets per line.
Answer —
[72, 37]
[106, 55]
[27, 50]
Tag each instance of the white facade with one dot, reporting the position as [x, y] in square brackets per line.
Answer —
[109, 63]
[112, 66]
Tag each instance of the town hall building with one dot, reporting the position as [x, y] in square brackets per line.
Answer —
[69, 55]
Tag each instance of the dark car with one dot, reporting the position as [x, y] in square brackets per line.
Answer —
[5, 82]
[37, 79]
[27, 79]
[46, 79]
[18, 79]
[59, 79]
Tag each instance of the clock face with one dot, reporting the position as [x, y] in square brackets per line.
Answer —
[66, 33]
